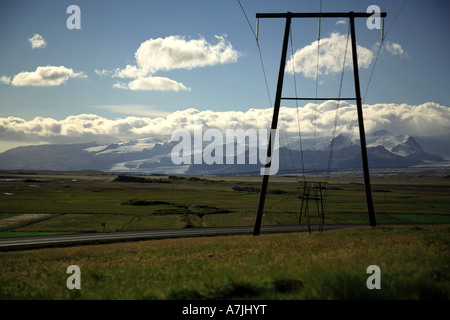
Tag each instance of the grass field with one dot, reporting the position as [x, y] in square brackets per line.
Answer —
[413, 261]
[95, 202]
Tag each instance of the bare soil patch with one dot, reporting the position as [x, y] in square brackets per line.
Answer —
[21, 220]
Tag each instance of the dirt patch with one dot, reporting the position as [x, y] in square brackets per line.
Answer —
[21, 220]
[137, 202]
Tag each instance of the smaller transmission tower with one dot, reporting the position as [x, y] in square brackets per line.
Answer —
[312, 191]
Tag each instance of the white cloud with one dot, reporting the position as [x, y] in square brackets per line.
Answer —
[45, 76]
[129, 72]
[428, 119]
[341, 22]
[173, 52]
[156, 83]
[152, 83]
[5, 79]
[120, 85]
[331, 57]
[37, 41]
[102, 73]
[395, 49]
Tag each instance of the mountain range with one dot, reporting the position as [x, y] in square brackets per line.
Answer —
[153, 156]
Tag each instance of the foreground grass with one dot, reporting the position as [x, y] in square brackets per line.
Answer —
[414, 263]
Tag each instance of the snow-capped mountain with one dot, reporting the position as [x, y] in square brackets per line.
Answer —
[153, 155]
[121, 147]
[402, 145]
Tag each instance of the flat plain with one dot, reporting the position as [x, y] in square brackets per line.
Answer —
[410, 243]
[97, 201]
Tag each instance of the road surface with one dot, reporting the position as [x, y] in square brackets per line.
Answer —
[21, 243]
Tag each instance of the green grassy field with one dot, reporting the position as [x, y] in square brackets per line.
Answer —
[95, 202]
[413, 261]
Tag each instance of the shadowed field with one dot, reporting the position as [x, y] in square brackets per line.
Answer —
[97, 202]
[414, 264]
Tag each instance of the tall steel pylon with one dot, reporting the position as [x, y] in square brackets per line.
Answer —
[288, 16]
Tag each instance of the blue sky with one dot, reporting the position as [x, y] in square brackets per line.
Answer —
[112, 32]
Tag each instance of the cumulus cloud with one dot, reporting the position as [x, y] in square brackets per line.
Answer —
[45, 76]
[173, 52]
[5, 79]
[331, 57]
[154, 83]
[394, 49]
[84, 127]
[129, 72]
[176, 52]
[428, 119]
[37, 41]
[102, 73]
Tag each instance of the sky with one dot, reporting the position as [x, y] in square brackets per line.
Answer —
[120, 69]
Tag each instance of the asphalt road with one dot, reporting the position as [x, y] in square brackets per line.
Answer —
[21, 243]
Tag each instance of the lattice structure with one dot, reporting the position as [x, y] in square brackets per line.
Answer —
[312, 191]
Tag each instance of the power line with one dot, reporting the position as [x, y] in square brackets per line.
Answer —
[317, 84]
[330, 158]
[248, 21]
[259, 51]
[296, 102]
[349, 135]
[255, 34]
[379, 48]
